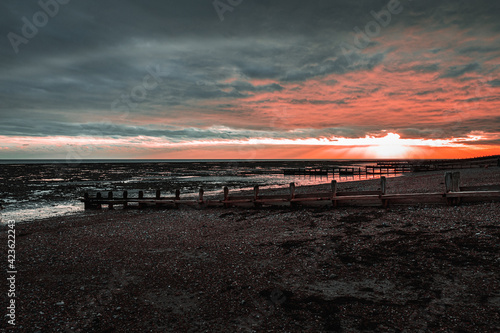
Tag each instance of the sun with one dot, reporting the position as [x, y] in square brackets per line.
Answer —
[390, 146]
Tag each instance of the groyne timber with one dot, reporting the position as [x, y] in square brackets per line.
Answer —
[452, 194]
[398, 166]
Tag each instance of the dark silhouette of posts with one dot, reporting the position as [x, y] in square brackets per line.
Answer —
[86, 201]
[200, 196]
[177, 198]
[226, 197]
[256, 196]
[110, 198]
[383, 187]
[334, 192]
[99, 198]
[158, 197]
[141, 197]
[125, 198]
[292, 195]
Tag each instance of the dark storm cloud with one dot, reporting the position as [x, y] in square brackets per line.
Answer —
[92, 53]
[429, 92]
[456, 71]
[483, 142]
[172, 134]
[318, 102]
[418, 133]
[479, 49]
[426, 68]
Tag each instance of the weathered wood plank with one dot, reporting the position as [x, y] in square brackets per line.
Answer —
[412, 195]
[473, 194]
[480, 188]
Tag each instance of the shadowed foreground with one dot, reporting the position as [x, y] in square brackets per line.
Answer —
[225, 270]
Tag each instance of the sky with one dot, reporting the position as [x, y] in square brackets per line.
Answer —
[249, 79]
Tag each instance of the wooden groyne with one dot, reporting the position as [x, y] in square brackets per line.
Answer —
[453, 194]
[397, 167]
[347, 171]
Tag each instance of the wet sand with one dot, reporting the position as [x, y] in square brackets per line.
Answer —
[350, 269]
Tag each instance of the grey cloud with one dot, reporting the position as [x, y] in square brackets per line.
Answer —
[318, 102]
[483, 142]
[248, 87]
[418, 133]
[340, 65]
[479, 49]
[427, 92]
[171, 133]
[426, 68]
[456, 71]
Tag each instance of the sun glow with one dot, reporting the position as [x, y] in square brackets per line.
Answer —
[391, 145]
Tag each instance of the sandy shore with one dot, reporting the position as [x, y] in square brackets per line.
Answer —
[425, 268]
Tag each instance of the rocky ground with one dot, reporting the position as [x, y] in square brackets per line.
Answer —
[350, 269]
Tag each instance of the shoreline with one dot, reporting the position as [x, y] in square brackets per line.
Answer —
[241, 270]
[57, 195]
[421, 182]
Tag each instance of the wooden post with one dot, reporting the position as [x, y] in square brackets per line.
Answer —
[110, 197]
[448, 181]
[383, 188]
[226, 197]
[99, 198]
[455, 181]
[158, 197]
[292, 190]
[256, 196]
[456, 185]
[141, 196]
[125, 197]
[86, 202]
[292, 194]
[334, 192]
[177, 197]
[200, 198]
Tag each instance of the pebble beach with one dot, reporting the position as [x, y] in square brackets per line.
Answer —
[413, 268]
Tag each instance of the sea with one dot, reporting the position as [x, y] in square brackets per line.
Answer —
[36, 189]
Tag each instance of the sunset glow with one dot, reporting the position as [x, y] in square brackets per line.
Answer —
[389, 146]
[265, 82]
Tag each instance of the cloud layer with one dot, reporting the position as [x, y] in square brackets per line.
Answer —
[277, 70]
